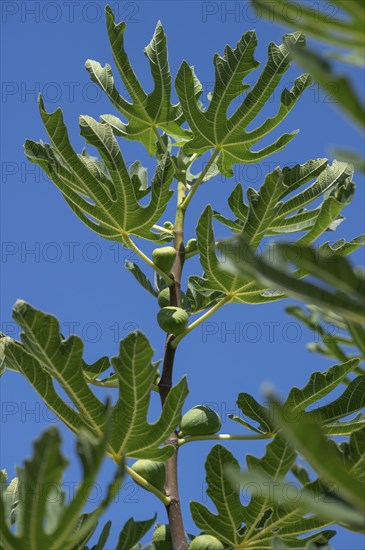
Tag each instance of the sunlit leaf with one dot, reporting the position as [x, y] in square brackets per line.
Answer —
[227, 134]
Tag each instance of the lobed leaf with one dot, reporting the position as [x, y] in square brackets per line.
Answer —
[44, 356]
[340, 466]
[145, 112]
[43, 518]
[106, 200]
[266, 214]
[346, 294]
[227, 134]
[255, 525]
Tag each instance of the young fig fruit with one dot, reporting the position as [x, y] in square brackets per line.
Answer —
[200, 420]
[191, 246]
[206, 542]
[151, 471]
[172, 320]
[164, 298]
[164, 257]
[168, 225]
[161, 537]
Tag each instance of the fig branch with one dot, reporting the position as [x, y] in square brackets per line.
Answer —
[171, 480]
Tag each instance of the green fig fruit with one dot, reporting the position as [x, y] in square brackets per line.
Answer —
[206, 542]
[162, 537]
[168, 225]
[191, 246]
[164, 257]
[200, 420]
[172, 320]
[164, 298]
[151, 471]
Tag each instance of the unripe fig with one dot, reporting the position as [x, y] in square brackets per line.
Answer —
[164, 257]
[200, 420]
[206, 542]
[168, 225]
[164, 298]
[162, 537]
[172, 320]
[191, 246]
[151, 471]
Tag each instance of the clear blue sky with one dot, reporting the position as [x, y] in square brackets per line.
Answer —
[78, 277]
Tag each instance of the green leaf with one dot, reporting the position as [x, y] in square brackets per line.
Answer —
[308, 503]
[146, 112]
[315, 447]
[354, 452]
[132, 532]
[240, 289]
[251, 408]
[107, 202]
[319, 385]
[254, 525]
[346, 427]
[353, 158]
[242, 422]
[43, 518]
[18, 359]
[343, 29]
[329, 332]
[276, 462]
[141, 277]
[200, 301]
[10, 496]
[278, 544]
[44, 357]
[266, 213]
[132, 434]
[262, 518]
[103, 537]
[326, 265]
[351, 401]
[339, 86]
[340, 339]
[228, 136]
[224, 525]
[44, 350]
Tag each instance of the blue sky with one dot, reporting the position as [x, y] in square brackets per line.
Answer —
[50, 259]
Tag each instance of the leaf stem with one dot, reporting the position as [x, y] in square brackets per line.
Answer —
[202, 175]
[103, 383]
[163, 229]
[148, 261]
[223, 437]
[201, 319]
[160, 141]
[142, 481]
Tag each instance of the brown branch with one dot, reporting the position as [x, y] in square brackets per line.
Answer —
[171, 481]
